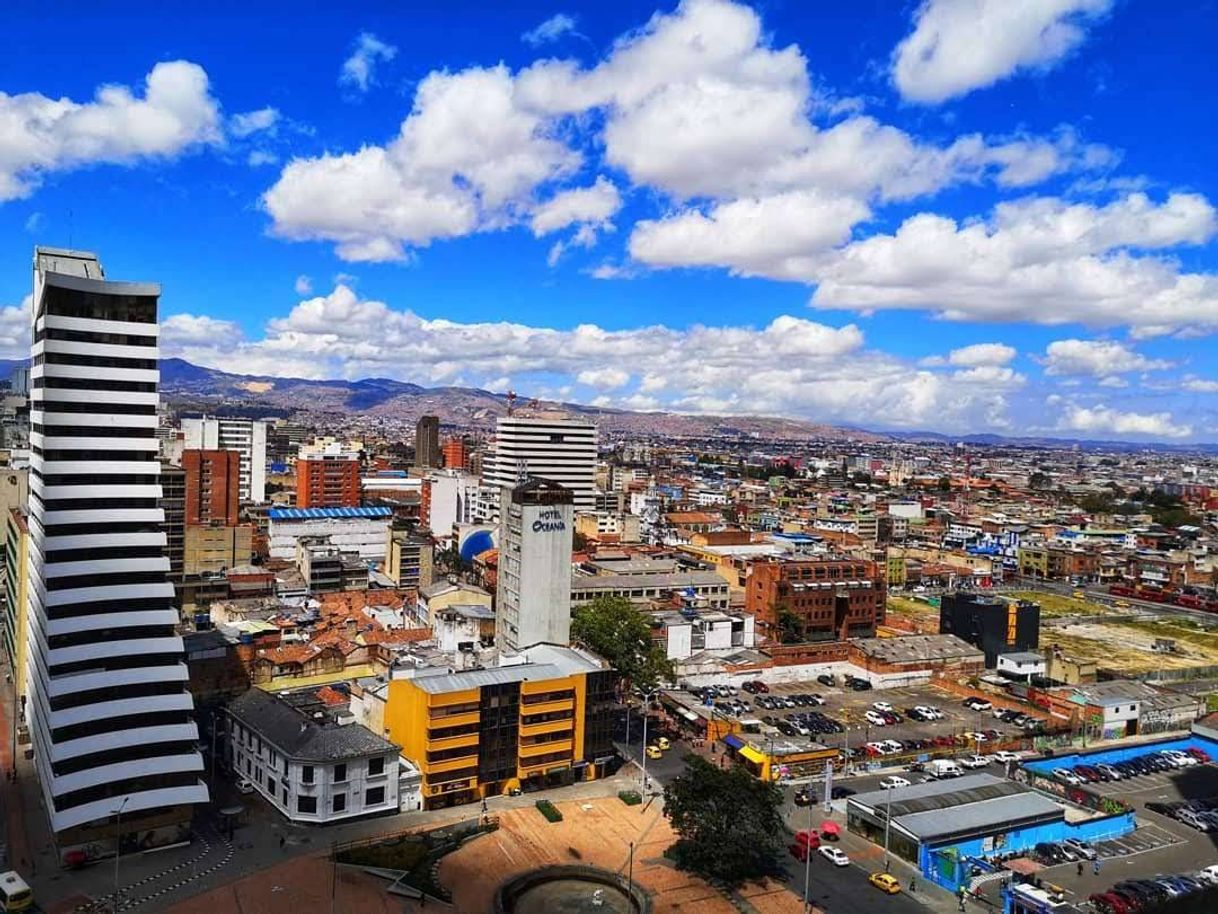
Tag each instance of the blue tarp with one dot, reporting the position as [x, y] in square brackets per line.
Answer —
[734, 741]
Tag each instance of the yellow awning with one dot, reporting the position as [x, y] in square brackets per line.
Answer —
[753, 755]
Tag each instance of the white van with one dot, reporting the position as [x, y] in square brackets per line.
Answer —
[943, 768]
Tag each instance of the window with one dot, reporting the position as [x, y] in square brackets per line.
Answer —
[340, 773]
[285, 794]
[306, 804]
[375, 796]
[306, 774]
[340, 802]
[270, 784]
[376, 766]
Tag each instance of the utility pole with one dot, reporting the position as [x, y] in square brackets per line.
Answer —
[887, 822]
[808, 864]
[646, 707]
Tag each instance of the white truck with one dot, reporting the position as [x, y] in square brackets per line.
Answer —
[941, 768]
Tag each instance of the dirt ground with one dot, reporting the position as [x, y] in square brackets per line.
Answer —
[1126, 645]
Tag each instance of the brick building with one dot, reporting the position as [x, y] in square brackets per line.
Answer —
[212, 486]
[832, 598]
[456, 454]
[328, 481]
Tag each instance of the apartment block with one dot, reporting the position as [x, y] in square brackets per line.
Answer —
[558, 450]
[427, 442]
[245, 436]
[409, 559]
[328, 480]
[213, 486]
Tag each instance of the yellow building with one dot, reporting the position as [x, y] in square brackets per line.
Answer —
[16, 592]
[446, 594]
[481, 733]
[896, 568]
[210, 549]
[1034, 561]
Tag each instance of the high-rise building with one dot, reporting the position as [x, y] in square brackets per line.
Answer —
[427, 442]
[212, 486]
[456, 454]
[16, 594]
[409, 559]
[245, 436]
[559, 450]
[328, 478]
[533, 602]
[173, 504]
[111, 720]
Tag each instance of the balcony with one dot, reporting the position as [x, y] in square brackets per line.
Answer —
[546, 726]
[558, 745]
[452, 742]
[450, 764]
[547, 707]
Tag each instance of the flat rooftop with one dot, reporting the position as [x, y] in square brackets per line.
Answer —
[919, 648]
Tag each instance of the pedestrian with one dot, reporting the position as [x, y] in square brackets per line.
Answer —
[913, 884]
[282, 841]
[1080, 869]
[887, 864]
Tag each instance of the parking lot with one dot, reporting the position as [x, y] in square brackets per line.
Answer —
[849, 708]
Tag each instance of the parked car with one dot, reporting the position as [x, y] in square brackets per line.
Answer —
[1003, 756]
[1080, 848]
[1199, 754]
[975, 761]
[834, 855]
[244, 786]
[1050, 853]
[653, 751]
[977, 704]
[893, 781]
[876, 718]
[881, 706]
[804, 797]
[826, 679]
[1068, 776]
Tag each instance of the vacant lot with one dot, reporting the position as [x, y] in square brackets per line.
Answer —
[1127, 645]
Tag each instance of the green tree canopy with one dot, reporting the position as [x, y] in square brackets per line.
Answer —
[729, 823]
[614, 628]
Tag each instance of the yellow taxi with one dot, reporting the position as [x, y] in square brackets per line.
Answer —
[663, 744]
[885, 883]
[654, 752]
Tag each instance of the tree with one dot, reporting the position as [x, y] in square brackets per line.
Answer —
[790, 629]
[729, 824]
[615, 629]
[579, 542]
[945, 483]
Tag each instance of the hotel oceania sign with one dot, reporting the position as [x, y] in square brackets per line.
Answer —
[549, 521]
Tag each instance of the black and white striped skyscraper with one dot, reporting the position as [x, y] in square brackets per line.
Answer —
[111, 719]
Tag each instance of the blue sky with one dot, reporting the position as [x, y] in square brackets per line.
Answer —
[963, 215]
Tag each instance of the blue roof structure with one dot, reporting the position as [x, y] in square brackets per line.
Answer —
[322, 513]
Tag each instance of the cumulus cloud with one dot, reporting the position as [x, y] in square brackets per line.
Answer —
[961, 45]
[1200, 385]
[1105, 420]
[16, 333]
[1040, 260]
[359, 70]
[303, 285]
[466, 159]
[551, 30]
[264, 120]
[981, 355]
[791, 366]
[261, 157]
[593, 205]
[1096, 358]
[182, 331]
[698, 104]
[174, 112]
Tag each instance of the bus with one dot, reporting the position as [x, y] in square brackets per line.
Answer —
[15, 895]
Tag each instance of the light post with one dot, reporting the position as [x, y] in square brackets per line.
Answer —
[808, 864]
[630, 871]
[118, 845]
[646, 707]
[887, 822]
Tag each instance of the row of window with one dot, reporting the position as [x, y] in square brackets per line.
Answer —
[54, 383]
[91, 336]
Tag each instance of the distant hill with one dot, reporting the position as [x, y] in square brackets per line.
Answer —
[194, 388]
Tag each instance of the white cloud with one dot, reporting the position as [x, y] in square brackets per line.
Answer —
[304, 285]
[16, 334]
[961, 45]
[604, 378]
[359, 70]
[792, 366]
[1105, 420]
[551, 30]
[778, 236]
[40, 135]
[1096, 358]
[251, 122]
[982, 355]
[466, 159]
[1040, 260]
[1200, 385]
[33, 223]
[261, 157]
[594, 205]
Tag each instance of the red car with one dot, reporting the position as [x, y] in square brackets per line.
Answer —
[1199, 754]
[1109, 903]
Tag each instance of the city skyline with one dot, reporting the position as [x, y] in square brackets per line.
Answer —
[710, 207]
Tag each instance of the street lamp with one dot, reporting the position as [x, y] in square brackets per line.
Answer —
[808, 863]
[887, 822]
[646, 707]
[118, 845]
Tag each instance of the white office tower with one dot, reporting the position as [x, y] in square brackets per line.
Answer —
[533, 600]
[560, 450]
[111, 719]
[245, 436]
